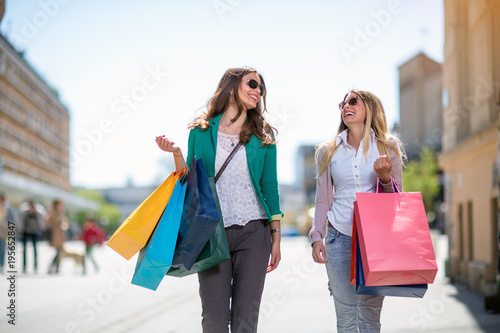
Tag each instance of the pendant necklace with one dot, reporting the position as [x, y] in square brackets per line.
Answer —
[229, 135]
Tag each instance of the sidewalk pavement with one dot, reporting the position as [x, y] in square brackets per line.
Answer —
[295, 300]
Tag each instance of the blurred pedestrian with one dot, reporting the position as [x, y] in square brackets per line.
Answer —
[362, 152]
[58, 223]
[91, 235]
[248, 195]
[30, 228]
[7, 222]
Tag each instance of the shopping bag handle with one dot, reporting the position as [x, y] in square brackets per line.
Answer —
[393, 182]
[183, 175]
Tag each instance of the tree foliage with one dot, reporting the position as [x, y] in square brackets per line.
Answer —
[422, 176]
[108, 215]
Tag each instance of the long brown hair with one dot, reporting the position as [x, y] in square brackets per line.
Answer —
[255, 124]
[375, 117]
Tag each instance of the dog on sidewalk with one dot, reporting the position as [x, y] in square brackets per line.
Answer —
[77, 257]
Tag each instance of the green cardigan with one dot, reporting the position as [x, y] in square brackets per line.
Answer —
[261, 164]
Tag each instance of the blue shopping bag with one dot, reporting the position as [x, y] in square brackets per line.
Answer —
[156, 257]
[200, 217]
[215, 251]
[410, 290]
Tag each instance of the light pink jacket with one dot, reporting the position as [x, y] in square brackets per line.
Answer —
[325, 190]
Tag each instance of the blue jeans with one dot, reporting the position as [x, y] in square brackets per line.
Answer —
[355, 313]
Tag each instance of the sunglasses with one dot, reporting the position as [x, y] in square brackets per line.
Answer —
[254, 85]
[353, 101]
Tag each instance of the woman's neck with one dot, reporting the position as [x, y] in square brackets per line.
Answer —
[354, 136]
[229, 115]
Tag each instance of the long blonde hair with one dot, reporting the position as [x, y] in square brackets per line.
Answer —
[375, 117]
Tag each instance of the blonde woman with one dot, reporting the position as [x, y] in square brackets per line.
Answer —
[362, 151]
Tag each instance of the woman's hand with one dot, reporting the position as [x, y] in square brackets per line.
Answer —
[167, 145]
[275, 256]
[319, 253]
[275, 246]
[382, 167]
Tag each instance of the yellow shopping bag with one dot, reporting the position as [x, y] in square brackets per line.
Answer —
[135, 231]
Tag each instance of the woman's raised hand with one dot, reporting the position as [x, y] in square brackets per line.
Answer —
[382, 167]
[167, 145]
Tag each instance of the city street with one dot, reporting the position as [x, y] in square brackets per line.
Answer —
[296, 299]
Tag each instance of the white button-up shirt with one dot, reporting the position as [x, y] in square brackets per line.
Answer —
[351, 173]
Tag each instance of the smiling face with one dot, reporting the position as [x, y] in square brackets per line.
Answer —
[249, 96]
[353, 110]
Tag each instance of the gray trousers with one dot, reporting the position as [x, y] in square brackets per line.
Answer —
[231, 291]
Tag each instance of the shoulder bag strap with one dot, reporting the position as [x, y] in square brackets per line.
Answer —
[221, 170]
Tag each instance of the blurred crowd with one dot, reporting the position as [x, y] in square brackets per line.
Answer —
[31, 223]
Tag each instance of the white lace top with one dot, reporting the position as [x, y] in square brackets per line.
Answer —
[238, 201]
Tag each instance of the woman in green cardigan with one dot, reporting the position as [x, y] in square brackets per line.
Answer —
[248, 196]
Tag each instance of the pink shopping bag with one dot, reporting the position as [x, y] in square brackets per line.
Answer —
[394, 239]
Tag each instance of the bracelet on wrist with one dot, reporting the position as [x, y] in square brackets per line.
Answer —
[178, 155]
[385, 183]
[275, 230]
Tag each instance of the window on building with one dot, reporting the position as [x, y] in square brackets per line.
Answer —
[496, 229]
[470, 233]
[460, 237]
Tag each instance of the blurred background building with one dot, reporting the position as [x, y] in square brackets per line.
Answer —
[420, 104]
[127, 199]
[421, 120]
[470, 150]
[34, 136]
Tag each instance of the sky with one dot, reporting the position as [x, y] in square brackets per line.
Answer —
[131, 70]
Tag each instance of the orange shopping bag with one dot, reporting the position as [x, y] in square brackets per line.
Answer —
[135, 231]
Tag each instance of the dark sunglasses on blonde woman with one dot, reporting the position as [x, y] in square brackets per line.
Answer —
[254, 85]
[353, 101]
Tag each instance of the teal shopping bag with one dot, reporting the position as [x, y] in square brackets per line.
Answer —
[156, 257]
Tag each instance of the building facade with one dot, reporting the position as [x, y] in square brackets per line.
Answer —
[420, 86]
[34, 136]
[471, 104]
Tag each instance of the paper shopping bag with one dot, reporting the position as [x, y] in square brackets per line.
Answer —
[354, 246]
[156, 257]
[200, 217]
[134, 232]
[215, 251]
[394, 239]
[411, 290]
